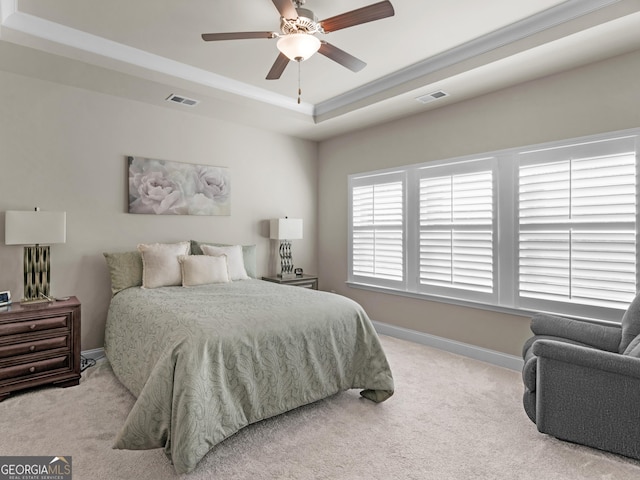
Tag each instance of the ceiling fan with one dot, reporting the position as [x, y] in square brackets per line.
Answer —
[298, 26]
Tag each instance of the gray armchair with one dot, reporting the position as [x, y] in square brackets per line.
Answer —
[582, 381]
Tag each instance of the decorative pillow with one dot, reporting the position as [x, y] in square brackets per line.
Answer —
[235, 261]
[248, 255]
[160, 266]
[125, 270]
[203, 269]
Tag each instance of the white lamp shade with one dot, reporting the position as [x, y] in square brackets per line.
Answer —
[298, 46]
[286, 228]
[34, 227]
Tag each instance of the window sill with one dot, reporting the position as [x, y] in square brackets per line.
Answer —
[521, 312]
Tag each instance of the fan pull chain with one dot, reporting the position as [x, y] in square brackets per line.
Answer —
[299, 88]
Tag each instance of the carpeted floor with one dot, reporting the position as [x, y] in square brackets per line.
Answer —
[450, 418]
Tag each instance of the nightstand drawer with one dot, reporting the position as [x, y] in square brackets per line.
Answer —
[34, 346]
[37, 325]
[34, 368]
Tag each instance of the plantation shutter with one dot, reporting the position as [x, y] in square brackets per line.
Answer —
[577, 224]
[456, 219]
[377, 220]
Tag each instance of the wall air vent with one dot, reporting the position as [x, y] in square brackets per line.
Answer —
[182, 100]
[430, 97]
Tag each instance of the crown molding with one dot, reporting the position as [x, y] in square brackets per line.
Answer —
[86, 42]
[514, 32]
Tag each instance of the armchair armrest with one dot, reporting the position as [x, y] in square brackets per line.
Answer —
[600, 336]
[588, 358]
[588, 396]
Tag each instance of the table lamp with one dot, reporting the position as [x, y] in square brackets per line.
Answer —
[33, 229]
[285, 230]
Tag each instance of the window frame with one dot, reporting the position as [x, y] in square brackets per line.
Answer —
[505, 297]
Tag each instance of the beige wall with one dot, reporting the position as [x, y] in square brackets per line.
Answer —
[63, 148]
[594, 99]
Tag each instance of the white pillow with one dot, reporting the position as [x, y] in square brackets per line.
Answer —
[203, 269]
[235, 260]
[160, 266]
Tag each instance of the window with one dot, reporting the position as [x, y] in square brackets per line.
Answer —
[547, 228]
[577, 224]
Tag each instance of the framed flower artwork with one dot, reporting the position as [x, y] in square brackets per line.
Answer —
[161, 187]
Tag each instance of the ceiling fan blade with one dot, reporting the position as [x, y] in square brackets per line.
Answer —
[278, 67]
[208, 37]
[286, 9]
[340, 56]
[370, 13]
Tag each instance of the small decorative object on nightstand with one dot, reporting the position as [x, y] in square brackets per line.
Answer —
[39, 345]
[306, 281]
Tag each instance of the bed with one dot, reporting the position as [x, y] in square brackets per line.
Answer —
[208, 360]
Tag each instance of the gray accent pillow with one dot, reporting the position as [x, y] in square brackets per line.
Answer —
[248, 254]
[125, 270]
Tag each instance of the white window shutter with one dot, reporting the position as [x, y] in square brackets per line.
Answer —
[456, 230]
[378, 230]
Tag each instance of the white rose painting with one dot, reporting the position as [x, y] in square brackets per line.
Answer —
[161, 187]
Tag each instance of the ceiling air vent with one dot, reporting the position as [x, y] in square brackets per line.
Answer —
[430, 97]
[189, 102]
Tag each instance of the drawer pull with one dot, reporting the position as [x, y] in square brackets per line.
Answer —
[33, 325]
[32, 369]
[32, 348]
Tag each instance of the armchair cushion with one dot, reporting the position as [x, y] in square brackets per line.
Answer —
[633, 350]
[599, 336]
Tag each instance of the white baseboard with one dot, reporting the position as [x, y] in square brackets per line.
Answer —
[95, 354]
[490, 356]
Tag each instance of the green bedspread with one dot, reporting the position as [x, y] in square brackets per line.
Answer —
[206, 361]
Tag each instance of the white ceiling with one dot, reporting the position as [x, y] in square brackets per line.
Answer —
[149, 49]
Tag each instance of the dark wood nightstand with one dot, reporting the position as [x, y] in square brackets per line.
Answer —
[306, 281]
[39, 345]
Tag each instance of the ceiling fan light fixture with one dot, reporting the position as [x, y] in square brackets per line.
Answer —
[298, 46]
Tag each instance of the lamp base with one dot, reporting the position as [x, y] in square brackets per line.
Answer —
[37, 274]
[287, 276]
[33, 301]
[286, 260]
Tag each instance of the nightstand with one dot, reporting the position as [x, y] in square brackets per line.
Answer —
[305, 281]
[39, 345]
